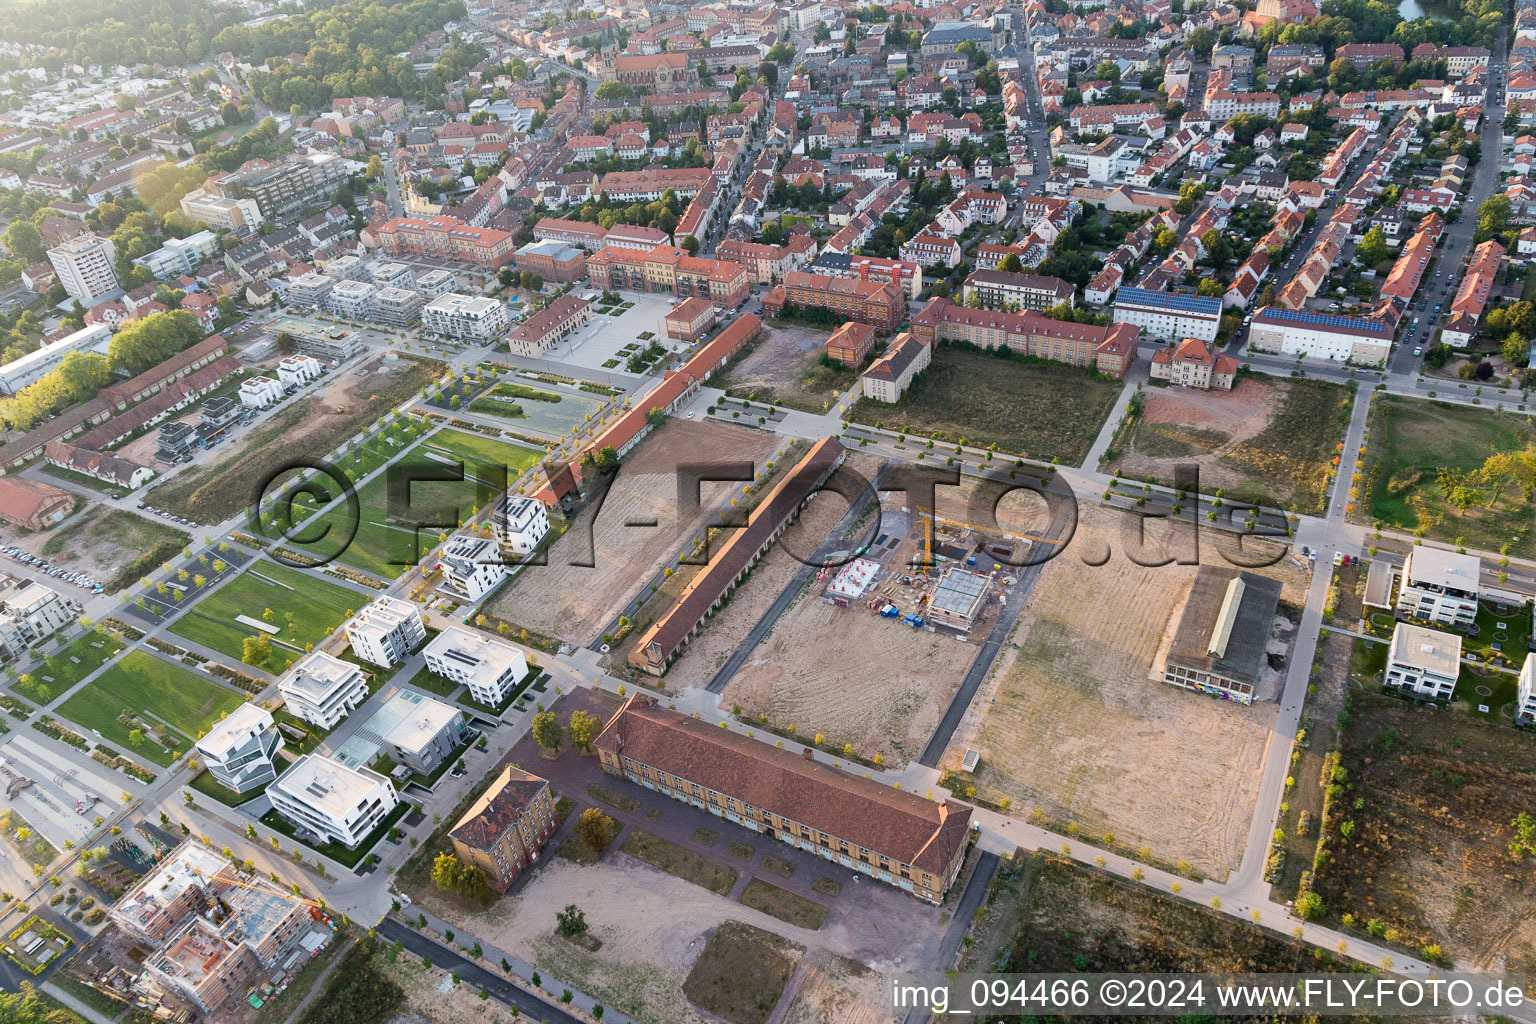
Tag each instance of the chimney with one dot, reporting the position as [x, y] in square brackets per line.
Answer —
[863, 270]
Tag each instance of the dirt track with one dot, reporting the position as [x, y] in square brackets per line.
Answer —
[575, 602]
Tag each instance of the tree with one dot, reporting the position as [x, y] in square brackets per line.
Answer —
[1525, 836]
[656, 417]
[596, 829]
[690, 244]
[447, 872]
[547, 731]
[583, 728]
[286, 343]
[1309, 905]
[571, 922]
[255, 650]
[614, 91]
[230, 112]
[1515, 350]
[1373, 247]
[473, 884]
[1011, 264]
[136, 737]
[23, 239]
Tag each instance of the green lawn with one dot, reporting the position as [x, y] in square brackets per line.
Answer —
[1412, 440]
[385, 548]
[1026, 407]
[204, 783]
[157, 692]
[83, 656]
[335, 851]
[317, 606]
[430, 682]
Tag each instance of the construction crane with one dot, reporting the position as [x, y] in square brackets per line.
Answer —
[260, 885]
[932, 520]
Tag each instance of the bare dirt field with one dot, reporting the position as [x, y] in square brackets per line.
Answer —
[729, 627]
[223, 483]
[102, 542]
[574, 602]
[783, 368]
[831, 989]
[1267, 441]
[1075, 724]
[430, 993]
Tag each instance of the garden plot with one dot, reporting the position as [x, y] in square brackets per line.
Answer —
[629, 538]
[1077, 723]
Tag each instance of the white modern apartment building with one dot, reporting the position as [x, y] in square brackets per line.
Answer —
[321, 689]
[426, 734]
[1525, 703]
[390, 274]
[520, 523]
[465, 316]
[351, 299]
[260, 392]
[31, 614]
[1166, 315]
[85, 267]
[472, 565]
[396, 307]
[487, 666]
[1423, 662]
[309, 290]
[297, 369]
[240, 749]
[434, 283]
[1440, 586]
[32, 367]
[334, 803]
[1300, 332]
[180, 255]
[386, 631]
[220, 211]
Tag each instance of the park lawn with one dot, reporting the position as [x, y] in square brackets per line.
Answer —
[1411, 440]
[143, 684]
[1028, 407]
[60, 671]
[384, 548]
[318, 607]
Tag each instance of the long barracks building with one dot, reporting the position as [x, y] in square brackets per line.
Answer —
[1109, 350]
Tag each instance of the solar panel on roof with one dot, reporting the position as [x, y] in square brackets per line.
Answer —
[1169, 300]
[1306, 316]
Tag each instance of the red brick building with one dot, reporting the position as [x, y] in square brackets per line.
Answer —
[445, 238]
[1109, 350]
[690, 319]
[503, 832]
[882, 306]
[668, 270]
[851, 344]
[552, 260]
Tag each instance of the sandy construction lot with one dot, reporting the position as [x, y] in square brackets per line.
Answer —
[783, 367]
[1074, 726]
[575, 602]
[728, 627]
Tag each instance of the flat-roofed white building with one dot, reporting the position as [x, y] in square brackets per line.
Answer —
[396, 306]
[321, 689]
[298, 369]
[1525, 703]
[392, 274]
[351, 299]
[1169, 315]
[220, 211]
[465, 316]
[260, 392]
[472, 565]
[434, 283]
[425, 734]
[1364, 340]
[487, 666]
[1440, 586]
[239, 750]
[520, 523]
[1423, 662]
[332, 802]
[386, 631]
[309, 289]
[34, 365]
[30, 614]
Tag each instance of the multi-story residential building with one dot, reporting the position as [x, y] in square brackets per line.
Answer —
[445, 238]
[392, 274]
[488, 667]
[546, 328]
[322, 690]
[222, 212]
[1362, 340]
[1109, 350]
[667, 269]
[352, 300]
[298, 369]
[888, 377]
[1167, 315]
[284, 188]
[1472, 294]
[521, 523]
[689, 320]
[1423, 662]
[1440, 586]
[85, 267]
[582, 234]
[434, 284]
[1019, 291]
[332, 802]
[240, 750]
[397, 307]
[426, 734]
[882, 306]
[551, 260]
[309, 290]
[1194, 364]
[851, 344]
[904, 274]
[504, 831]
[932, 250]
[180, 255]
[1525, 701]
[30, 614]
[259, 392]
[1363, 55]
[768, 264]
[650, 185]
[386, 631]
[472, 565]
[454, 315]
[896, 837]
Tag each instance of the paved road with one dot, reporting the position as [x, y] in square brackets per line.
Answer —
[499, 988]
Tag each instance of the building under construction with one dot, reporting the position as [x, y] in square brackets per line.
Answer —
[959, 598]
[1219, 647]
